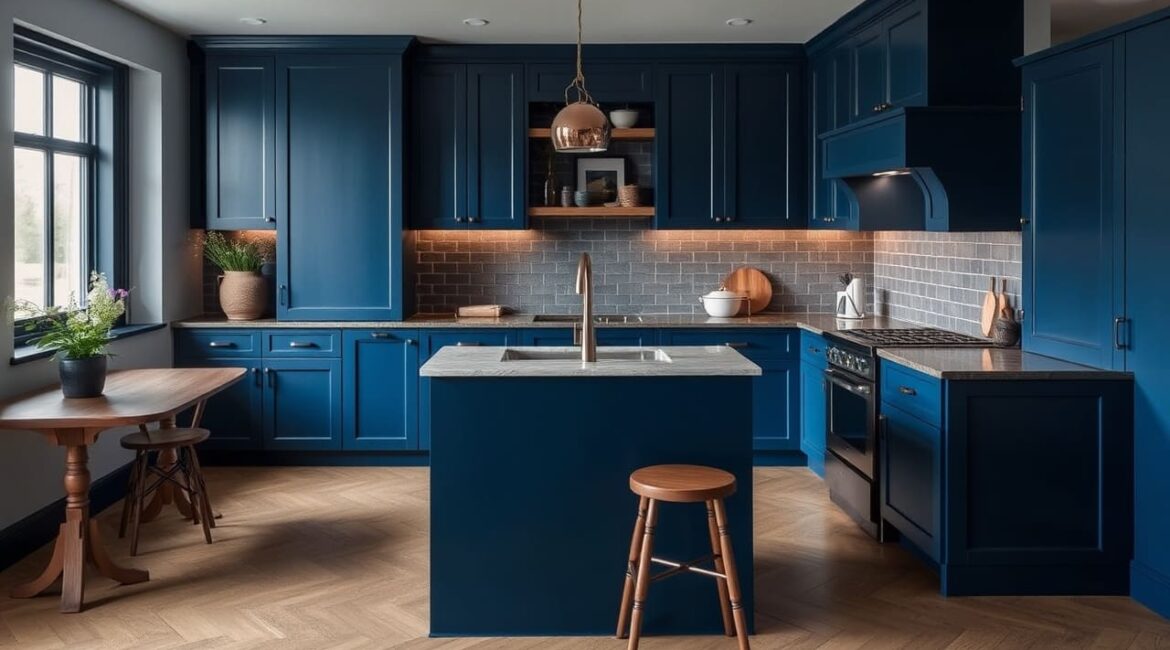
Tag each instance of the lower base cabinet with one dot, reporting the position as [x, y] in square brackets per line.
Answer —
[380, 388]
[432, 341]
[911, 478]
[235, 416]
[812, 400]
[302, 404]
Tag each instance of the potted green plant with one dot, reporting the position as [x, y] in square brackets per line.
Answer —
[243, 292]
[79, 335]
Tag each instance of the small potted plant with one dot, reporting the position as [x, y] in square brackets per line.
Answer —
[79, 335]
[243, 291]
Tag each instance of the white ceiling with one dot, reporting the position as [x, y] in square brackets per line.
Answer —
[1073, 18]
[512, 21]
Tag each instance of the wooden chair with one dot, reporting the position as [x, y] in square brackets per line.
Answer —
[183, 474]
[681, 484]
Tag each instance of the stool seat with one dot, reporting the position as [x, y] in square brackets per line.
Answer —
[164, 438]
[682, 483]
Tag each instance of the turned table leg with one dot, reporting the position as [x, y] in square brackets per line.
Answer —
[78, 540]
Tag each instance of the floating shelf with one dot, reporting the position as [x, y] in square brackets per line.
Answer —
[615, 134]
[597, 211]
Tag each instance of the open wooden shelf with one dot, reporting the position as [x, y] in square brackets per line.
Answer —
[615, 134]
[593, 211]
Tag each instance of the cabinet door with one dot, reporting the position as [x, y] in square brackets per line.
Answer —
[905, 33]
[234, 415]
[911, 478]
[764, 146]
[1073, 246]
[432, 342]
[241, 143]
[1147, 193]
[339, 244]
[438, 185]
[812, 415]
[689, 146]
[302, 404]
[776, 405]
[608, 82]
[380, 390]
[821, 120]
[869, 71]
[496, 137]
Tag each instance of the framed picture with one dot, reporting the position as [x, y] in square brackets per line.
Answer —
[601, 175]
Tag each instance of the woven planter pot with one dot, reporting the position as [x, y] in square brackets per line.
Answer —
[243, 295]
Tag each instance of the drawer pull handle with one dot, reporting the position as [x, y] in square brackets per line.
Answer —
[813, 350]
[467, 344]
[301, 344]
[906, 390]
[221, 344]
[736, 345]
[409, 341]
[256, 377]
[380, 335]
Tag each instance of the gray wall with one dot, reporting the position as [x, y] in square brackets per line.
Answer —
[939, 279]
[165, 275]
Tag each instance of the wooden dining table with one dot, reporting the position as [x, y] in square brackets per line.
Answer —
[131, 398]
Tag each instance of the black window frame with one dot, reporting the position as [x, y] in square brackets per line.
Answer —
[105, 245]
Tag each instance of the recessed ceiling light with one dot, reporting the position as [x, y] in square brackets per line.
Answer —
[475, 22]
[739, 22]
[254, 21]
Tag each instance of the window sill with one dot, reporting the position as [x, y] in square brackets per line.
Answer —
[27, 353]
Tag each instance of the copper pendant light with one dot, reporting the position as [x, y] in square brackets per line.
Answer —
[580, 127]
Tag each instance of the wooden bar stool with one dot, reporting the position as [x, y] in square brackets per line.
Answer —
[681, 484]
[182, 473]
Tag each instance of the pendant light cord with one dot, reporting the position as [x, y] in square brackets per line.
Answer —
[578, 82]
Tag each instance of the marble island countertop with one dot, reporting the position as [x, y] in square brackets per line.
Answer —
[815, 323]
[613, 361]
[1000, 364]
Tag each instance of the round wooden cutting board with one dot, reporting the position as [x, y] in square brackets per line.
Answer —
[752, 283]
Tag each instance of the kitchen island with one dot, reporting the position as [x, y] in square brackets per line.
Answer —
[531, 512]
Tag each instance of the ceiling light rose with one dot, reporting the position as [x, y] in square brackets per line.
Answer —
[739, 22]
[475, 22]
[580, 127]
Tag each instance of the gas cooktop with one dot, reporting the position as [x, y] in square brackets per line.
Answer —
[916, 337]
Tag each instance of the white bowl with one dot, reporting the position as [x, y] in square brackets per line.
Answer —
[623, 118]
[722, 304]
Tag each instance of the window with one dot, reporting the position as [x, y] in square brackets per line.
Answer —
[68, 162]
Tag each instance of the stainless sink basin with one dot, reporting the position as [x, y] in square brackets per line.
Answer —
[561, 354]
[607, 319]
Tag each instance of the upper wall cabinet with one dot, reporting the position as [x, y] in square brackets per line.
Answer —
[831, 204]
[607, 82]
[729, 146]
[469, 131]
[889, 62]
[339, 187]
[240, 132]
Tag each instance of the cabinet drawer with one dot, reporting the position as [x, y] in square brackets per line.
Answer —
[912, 391]
[302, 343]
[753, 344]
[216, 344]
[433, 341]
[812, 349]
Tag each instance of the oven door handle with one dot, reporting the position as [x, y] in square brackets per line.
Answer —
[851, 386]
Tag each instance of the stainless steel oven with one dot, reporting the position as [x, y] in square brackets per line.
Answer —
[852, 420]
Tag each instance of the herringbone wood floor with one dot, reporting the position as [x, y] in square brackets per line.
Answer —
[337, 558]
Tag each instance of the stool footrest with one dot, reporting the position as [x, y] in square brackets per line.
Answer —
[683, 567]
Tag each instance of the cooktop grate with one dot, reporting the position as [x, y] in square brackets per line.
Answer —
[914, 337]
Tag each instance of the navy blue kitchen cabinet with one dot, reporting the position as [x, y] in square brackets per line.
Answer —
[430, 342]
[831, 204]
[889, 62]
[775, 394]
[607, 82]
[380, 389]
[1011, 486]
[729, 142]
[911, 478]
[868, 52]
[1147, 348]
[813, 400]
[1073, 238]
[240, 146]
[623, 336]
[469, 147]
[339, 187]
[233, 416]
[302, 404]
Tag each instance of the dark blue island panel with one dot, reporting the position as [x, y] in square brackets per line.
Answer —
[531, 512]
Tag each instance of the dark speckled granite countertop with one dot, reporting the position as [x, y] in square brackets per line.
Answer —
[993, 363]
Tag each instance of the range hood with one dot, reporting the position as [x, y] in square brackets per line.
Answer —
[930, 168]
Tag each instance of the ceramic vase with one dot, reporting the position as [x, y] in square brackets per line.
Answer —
[82, 378]
[243, 295]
